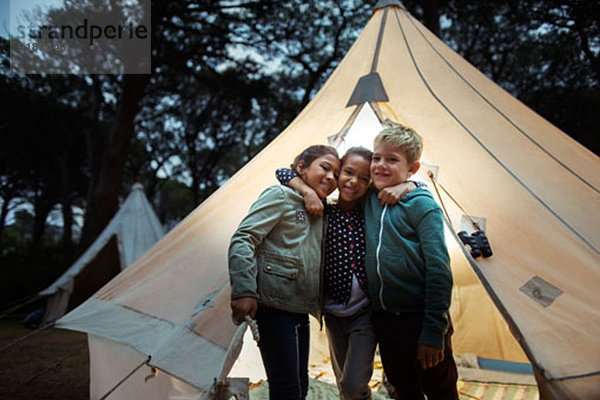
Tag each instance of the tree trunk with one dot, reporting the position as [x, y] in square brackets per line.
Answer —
[67, 234]
[105, 184]
[95, 146]
[3, 215]
[65, 203]
[41, 208]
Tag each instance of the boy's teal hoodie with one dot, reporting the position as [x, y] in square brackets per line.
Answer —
[407, 261]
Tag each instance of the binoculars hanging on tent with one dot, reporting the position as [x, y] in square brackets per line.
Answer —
[477, 242]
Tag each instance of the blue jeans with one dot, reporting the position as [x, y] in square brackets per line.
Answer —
[284, 344]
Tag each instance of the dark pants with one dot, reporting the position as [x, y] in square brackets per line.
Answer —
[398, 337]
[284, 344]
[352, 347]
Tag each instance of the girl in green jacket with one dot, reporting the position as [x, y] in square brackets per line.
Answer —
[275, 271]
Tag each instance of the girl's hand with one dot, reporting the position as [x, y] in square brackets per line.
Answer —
[392, 194]
[313, 203]
[242, 307]
[429, 356]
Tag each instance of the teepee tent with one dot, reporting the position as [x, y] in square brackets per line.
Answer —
[134, 229]
[487, 157]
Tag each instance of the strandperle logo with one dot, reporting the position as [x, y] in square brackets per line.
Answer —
[87, 37]
[86, 31]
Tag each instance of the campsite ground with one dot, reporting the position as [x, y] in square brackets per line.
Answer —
[51, 364]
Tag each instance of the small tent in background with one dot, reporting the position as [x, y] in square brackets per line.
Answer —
[491, 160]
[134, 229]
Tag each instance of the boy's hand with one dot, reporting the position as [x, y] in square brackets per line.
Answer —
[392, 194]
[429, 356]
[242, 307]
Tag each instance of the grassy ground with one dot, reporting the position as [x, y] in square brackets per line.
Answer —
[51, 364]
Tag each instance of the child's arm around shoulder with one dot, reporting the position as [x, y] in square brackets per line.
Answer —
[392, 194]
[312, 202]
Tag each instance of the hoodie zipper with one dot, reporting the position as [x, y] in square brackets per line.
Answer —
[377, 258]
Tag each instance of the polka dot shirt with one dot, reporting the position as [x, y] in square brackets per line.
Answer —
[344, 247]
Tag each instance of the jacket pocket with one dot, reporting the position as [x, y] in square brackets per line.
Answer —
[277, 275]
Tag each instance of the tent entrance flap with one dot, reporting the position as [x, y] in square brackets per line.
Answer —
[362, 129]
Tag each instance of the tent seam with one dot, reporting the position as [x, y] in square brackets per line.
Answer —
[501, 113]
[494, 157]
[379, 41]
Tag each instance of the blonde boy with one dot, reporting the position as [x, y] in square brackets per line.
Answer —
[409, 278]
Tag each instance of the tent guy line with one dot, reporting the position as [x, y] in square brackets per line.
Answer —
[510, 121]
[441, 201]
[19, 304]
[19, 340]
[478, 141]
[57, 363]
[133, 371]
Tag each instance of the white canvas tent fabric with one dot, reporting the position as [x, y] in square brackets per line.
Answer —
[135, 227]
[537, 189]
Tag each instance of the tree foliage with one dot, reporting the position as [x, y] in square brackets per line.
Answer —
[545, 53]
[42, 150]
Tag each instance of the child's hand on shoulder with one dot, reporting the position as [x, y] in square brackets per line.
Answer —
[392, 194]
[429, 356]
[313, 203]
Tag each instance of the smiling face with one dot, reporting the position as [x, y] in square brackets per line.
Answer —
[354, 179]
[320, 174]
[390, 166]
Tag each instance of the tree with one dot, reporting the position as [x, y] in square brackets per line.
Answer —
[307, 51]
[41, 157]
[9, 193]
[217, 111]
[183, 34]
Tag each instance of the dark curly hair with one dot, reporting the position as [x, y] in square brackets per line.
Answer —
[359, 151]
